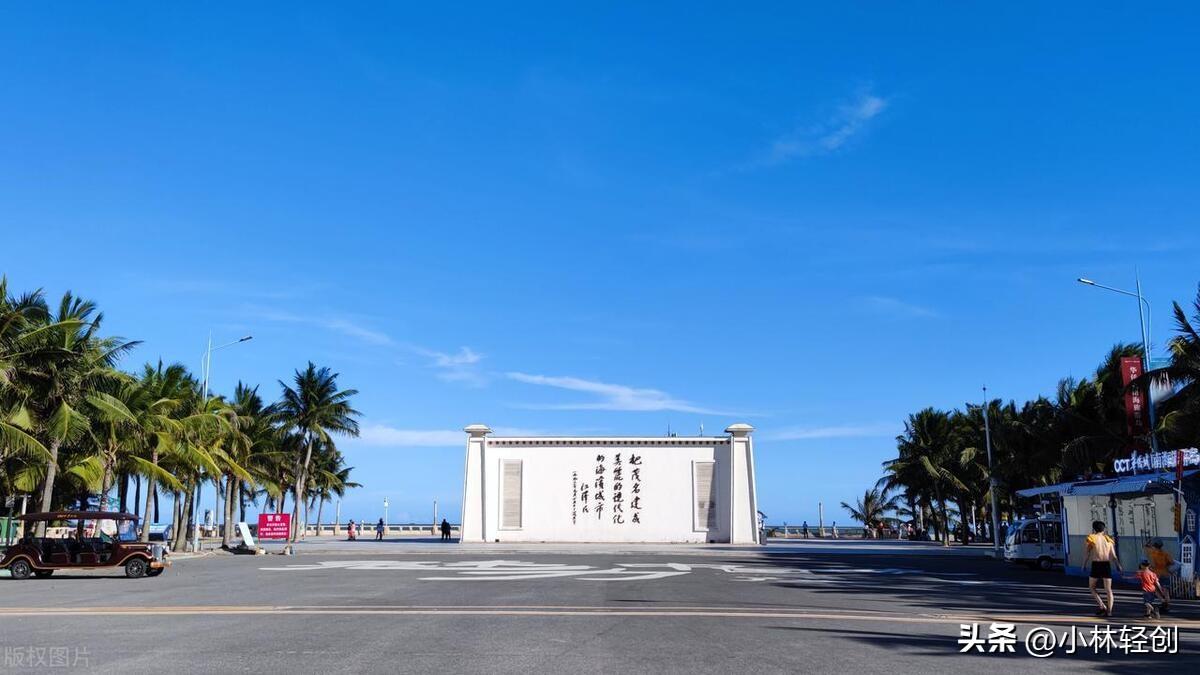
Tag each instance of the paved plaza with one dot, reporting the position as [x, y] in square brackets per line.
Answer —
[812, 606]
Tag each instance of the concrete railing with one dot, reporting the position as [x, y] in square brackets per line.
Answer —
[368, 530]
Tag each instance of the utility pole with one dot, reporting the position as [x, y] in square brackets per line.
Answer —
[987, 434]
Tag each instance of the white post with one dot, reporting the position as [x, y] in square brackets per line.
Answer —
[821, 519]
[337, 518]
[435, 520]
[473, 523]
[743, 507]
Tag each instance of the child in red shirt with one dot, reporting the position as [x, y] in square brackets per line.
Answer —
[1150, 588]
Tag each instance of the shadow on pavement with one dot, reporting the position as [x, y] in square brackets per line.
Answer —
[947, 646]
[938, 585]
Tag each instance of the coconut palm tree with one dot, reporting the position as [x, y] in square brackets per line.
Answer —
[1180, 423]
[928, 445]
[64, 361]
[871, 508]
[161, 423]
[20, 318]
[331, 477]
[255, 439]
[313, 409]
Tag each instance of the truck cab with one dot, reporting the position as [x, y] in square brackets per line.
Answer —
[1037, 542]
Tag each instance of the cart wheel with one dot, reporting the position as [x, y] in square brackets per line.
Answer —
[20, 569]
[42, 574]
[136, 568]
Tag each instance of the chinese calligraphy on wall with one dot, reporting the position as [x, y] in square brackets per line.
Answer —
[623, 479]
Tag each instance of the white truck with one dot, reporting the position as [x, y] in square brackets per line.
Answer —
[1037, 542]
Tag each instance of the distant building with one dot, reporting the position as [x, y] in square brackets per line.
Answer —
[610, 489]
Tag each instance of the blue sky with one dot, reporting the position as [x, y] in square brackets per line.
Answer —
[606, 220]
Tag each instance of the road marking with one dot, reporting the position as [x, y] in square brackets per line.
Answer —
[552, 611]
[517, 570]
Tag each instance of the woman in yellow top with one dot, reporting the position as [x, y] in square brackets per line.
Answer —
[1101, 556]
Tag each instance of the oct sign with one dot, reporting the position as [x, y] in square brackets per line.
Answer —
[274, 525]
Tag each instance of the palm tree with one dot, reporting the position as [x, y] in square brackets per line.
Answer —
[161, 425]
[330, 477]
[64, 362]
[255, 440]
[20, 317]
[1180, 423]
[928, 445]
[314, 409]
[871, 508]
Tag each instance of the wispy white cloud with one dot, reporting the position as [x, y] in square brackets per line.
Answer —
[847, 120]
[610, 396]
[336, 324]
[460, 366]
[386, 436]
[840, 431]
[383, 435]
[895, 307]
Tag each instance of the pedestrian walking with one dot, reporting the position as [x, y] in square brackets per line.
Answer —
[1101, 556]
[379, 530]
[835, 534]
[350, 531]
[804, 530]
[445, 530]
[1151, 588]
[1161, 564]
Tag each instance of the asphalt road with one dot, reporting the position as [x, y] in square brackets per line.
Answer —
[813, 609]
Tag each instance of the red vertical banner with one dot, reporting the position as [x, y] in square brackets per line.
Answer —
[1135, 398]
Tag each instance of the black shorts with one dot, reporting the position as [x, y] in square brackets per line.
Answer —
[1101, 570]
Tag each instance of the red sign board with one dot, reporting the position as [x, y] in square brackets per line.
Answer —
[274, 525]
[1135, 399]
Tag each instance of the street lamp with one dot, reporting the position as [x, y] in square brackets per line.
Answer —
[205, 367]
[1145, 322]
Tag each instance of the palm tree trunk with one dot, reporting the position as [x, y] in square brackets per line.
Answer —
[186, 505]
[945, 521]
[176, 505]
[304, 523]
[137, 495]
[241, 503]
[301, 477]
[122, 492]
[964, 508]
[150, 492]
[320, 508]
[102, 500]
[48, 486]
